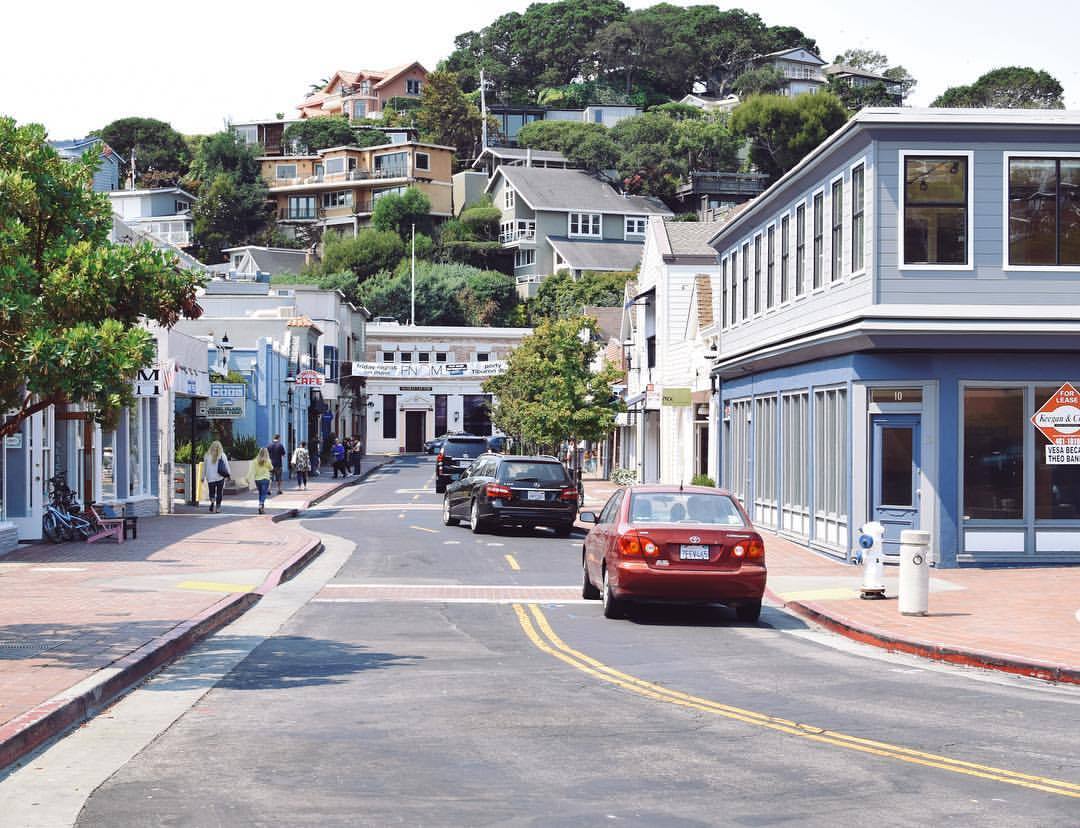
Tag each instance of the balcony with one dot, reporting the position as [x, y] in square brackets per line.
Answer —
[519, 231]
[735, 185]
[299, 213]
[342, 177]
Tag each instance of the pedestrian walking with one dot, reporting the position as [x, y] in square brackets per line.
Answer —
[301, 462]
[357, 455]
[338, 452]
[215, 472]
[259, 473]
[276, 453]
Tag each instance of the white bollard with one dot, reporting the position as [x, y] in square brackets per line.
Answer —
[872, 551]
[914, 572]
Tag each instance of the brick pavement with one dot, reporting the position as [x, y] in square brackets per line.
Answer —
[74, 611]
[1024, 621]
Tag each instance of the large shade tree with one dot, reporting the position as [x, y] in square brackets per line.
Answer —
[783, 130]
[1011, 87]
[161, 154]
[71, 302]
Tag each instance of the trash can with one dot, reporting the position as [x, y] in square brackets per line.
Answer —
[914, 572]
[872, 556]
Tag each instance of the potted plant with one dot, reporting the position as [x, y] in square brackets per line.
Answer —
[240, 452]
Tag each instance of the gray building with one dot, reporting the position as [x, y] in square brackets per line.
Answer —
[556, 219]
[895, 313]
[107, 176]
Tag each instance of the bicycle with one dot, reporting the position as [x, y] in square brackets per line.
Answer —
[62, 520]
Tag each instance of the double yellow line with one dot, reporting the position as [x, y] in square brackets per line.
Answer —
[540, 634]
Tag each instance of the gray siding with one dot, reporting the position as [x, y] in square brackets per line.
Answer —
[988, 283]
[547, 224]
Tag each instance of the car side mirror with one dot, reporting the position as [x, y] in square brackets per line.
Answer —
[587, 517]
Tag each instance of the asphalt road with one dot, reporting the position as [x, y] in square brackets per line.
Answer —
[401, 695]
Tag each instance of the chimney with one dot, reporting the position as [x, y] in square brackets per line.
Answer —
[528, 157]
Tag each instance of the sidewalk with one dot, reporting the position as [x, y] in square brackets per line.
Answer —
[1022, 621]
[81, 623]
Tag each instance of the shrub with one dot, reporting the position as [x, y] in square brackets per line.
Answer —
[702, 480]
[243, 448]
[624, 477]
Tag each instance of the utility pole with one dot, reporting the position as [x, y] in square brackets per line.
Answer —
[131, 172]
[412, 269]
[483, 115]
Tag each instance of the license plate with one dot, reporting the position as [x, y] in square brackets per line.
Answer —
[693, 552]
[535, 496]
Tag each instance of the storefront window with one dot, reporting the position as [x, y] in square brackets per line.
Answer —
[1057, 487]
[440, 414]
[477, 414]
[108, 466]
[994, 453]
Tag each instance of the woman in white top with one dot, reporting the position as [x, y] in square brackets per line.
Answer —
[215, 476]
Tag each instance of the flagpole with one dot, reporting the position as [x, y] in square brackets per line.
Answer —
[412, 269]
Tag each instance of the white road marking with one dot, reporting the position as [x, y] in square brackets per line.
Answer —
[518, 600]
[447, 586]
[496, 544]
[58, 569]
[425, 529]
[451, 543]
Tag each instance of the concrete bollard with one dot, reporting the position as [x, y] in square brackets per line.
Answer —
[914, 572]
[870, 544]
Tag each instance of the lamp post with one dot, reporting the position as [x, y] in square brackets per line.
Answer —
[290, 382]
[224, 348]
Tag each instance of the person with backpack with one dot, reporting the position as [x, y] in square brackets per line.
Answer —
[276, 452]
[215, 472]
[301, 463]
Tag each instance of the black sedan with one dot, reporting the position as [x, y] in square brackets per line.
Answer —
[512, 490]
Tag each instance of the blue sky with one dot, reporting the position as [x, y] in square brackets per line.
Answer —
[196, 63]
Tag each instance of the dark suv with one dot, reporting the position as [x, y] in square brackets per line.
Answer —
[457, 454]
[513, 490]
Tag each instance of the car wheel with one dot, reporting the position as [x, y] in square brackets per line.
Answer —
[475, 523]
[613, 607]
[564, 530]
[749, 612]
[447, 518]
[588, 590]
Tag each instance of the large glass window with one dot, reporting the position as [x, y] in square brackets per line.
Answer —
[392, 165]
[300, 207]
[795, 473]
[897, 455]
[800, 250]
[994, 453]
[477, 416]
[858, 218]
[1044, 211]
[765, 460]
[585, 224]
[770, 269]
[785, 243]
[819, 238]
[837, 269]
[935, 210]
[332, 166]
[440, 414]
[830, 460]
[1057, 487]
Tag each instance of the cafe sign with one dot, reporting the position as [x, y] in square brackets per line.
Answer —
[1059, 421]
[311, 379]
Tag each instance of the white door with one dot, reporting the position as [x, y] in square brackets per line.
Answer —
[36, 438]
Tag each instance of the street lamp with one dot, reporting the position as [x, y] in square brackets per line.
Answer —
[224, 348]
[290, 382]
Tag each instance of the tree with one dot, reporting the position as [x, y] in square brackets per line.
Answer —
[71, 302]
[447, 117]
[647, 163]
[855, 97]
[363, 255]
[313, 134]
[1011, 87]
[877, 63]
[561, 296]
[400, 212]
[782, 130]
[866, 59]
[765, 80]
[549, 392]
[446, 294]
[158, 147]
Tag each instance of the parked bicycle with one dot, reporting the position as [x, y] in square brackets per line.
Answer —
[62, 519]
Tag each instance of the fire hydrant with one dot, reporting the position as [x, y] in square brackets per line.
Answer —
[872, 554]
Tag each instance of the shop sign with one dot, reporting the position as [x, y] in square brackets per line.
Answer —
[221, 408]
[653, 399]
[231, 390]
[896, 395]
[1059, 421]
[13, 441]
[676, 397]
[420, 370]
[310, 378]
[148, 382]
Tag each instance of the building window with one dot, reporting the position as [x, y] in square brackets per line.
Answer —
[385, 191]
[330, 363]
[831, 470]
[635, 225]
[423, 356]
[389, 416]
[785, 244]
[508, 197]
[405, 356]
[423, 161]
[800, 250]
[387, 356]
[723, 294]
[300, 207]
[334, 166]
[440, 356]
[935, 210]
[440, 414]
[476, 418]
[181, 206]
[650, 351]
[285, 171]
[413, 86]
[757, 274]
[248, 134]
[338, 198]
[765, 461]
[1044, 211]
[392, 165]
[585, 224]
[819, 238]
[359, 109]
[770, 269]
[745, 281]
[858, 218]
[994, 453]
[795, 474]
[837, 267]
[737, 443]
[524, 257]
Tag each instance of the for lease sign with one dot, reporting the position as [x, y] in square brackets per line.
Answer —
[1059, 421]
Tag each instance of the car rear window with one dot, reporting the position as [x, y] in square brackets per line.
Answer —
[684, 507]
[456, 447]
[532, 471]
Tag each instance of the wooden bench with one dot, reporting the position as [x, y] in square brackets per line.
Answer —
[131, 522]
[105, 527]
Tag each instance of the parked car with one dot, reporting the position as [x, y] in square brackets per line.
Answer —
[432, 446]
[672, 543]
[497, 443]
[455, 455]
[513, 490]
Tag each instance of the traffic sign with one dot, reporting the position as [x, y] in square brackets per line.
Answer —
[1059, 417]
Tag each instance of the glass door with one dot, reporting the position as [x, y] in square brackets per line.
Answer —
[895, 496]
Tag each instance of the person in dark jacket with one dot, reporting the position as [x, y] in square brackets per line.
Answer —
[277, 460]
[338, 452]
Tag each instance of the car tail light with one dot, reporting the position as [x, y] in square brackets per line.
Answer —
[631, 544]
[752, 550]
[495, 491]
[568, 494]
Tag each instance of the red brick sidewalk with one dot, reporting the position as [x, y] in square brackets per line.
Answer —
[1024, 621]
[98, 617]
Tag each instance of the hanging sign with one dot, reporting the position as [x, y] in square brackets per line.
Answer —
[230, 390]
[312, 379]
[148, 382]
[221, 408]
[1059, 421]
[676, 397]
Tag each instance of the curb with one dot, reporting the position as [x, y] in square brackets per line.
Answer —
[837, 623]
[295, 512]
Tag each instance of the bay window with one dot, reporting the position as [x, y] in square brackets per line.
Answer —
[935, 230]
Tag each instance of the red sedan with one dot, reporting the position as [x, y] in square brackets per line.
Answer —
[672, 543]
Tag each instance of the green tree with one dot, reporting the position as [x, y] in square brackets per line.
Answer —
[363, 255]
[549, 392]
[71, 302]
[1011, 87]
[875, 62]
[646, 157]
[765, 80]
[446, 294]
[782, 130]
[399, 212]
[447, 117]
[561, 296]
[866, 59]
[158, 148]
[313, 134]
